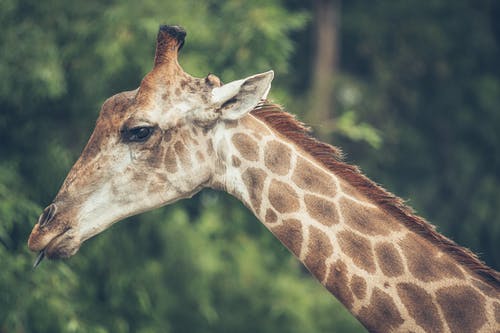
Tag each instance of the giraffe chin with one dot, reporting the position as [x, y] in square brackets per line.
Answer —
[61, 247]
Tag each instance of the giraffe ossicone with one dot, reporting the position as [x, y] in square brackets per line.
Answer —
[177, 134]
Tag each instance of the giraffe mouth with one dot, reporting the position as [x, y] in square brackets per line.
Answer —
[59, 247]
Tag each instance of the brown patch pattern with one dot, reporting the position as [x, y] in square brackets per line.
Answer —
[253, 179]
[381, 315]
[331, 158]
[423, 262]
[319, 249]
[311, 178]
[277, 157]
[282, 197]
[337, 283]
[271, 216]
[389, 260]
[487, 289]
[170, 160]
[463, 308]
[321, 210]
[365, 220]
[247, 146]
[236, 161]
[167, 136]
[358, 248]
[182, 153]
[290, 234]
[358, 286]
[420, 306]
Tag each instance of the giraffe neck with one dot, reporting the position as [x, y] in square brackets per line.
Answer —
[388, 276]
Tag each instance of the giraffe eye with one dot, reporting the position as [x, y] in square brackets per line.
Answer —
[137, 134]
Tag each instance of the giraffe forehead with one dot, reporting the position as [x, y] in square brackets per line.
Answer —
[165, 102]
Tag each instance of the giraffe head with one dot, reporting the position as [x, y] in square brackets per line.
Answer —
[150, 147]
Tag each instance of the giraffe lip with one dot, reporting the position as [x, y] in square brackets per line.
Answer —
[53, 249]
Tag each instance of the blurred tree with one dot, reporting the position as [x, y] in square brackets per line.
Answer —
[325, 64]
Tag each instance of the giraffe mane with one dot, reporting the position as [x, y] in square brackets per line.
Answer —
[331, 158]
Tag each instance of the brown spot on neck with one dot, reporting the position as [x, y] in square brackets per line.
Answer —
[311, 178]
[290, 234]
[282, 197]
[318, 250]
[427, 263]
[358, 286]
[358, 248]
[369, 221]
[381, 315]
[389, 260]
[338, 283]
[321, 210]
[277, 157]
[420, 306]
[463, 308]
[271, 216]
[253, 179]
[247, 146]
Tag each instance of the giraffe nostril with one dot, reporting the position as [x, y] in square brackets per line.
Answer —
[47, 215]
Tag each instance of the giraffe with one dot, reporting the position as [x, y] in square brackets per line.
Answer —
[177, 134]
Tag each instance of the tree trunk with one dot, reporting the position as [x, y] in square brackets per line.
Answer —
[325, 63]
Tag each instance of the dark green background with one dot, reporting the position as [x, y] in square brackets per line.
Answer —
[417, 106]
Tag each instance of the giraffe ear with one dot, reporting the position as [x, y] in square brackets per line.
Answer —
[235, 99]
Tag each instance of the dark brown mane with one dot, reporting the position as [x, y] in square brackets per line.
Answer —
[331, 158]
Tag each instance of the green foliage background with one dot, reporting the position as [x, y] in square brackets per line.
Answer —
[417, 96]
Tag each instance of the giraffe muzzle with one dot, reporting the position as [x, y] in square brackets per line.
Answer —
[52, 245]
[53, 237]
